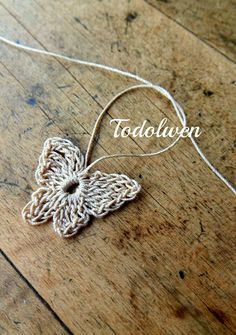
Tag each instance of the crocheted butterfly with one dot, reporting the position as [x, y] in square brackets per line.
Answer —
[68, 194]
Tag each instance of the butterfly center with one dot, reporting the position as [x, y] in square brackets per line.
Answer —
[71, 187]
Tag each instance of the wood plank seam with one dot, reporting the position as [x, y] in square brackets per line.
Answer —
[191, 32]
[38, 296]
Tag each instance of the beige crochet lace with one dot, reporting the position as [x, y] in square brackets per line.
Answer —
[69, 195]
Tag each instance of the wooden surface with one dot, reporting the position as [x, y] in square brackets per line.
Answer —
[22, 311]
[213, 21]
[164, 263]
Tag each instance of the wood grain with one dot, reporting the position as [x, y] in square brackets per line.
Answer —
[212, 21]
[21, 311]
[164, 263]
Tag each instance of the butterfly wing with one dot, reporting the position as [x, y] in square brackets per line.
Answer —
[106, 192]
[59, 164]
[60, 159]
[71, 216]
[41, 207]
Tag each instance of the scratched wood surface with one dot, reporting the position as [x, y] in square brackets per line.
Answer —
[213, 21]
[164, 263]
[22, 312]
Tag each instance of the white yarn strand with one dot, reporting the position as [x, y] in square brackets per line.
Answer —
[180, 113]
[105, 109]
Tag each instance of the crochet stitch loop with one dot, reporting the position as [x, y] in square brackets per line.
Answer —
[68, 194]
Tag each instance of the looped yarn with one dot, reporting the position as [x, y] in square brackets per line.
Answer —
[68, 193]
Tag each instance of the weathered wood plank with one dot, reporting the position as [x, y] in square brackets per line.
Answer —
[21, 311]
[169, 247]
[212, 21]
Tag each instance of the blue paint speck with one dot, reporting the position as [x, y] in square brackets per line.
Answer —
[18, 41]
[31, 101]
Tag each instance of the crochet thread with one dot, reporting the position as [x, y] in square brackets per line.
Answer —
[68, 193]
[127, 74]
